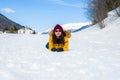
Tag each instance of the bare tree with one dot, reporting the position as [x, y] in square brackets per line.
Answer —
[98, 12]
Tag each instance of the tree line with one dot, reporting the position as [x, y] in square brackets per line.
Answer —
[98, 10]
[12, 29]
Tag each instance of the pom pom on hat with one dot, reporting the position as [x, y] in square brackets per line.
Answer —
[58, 27]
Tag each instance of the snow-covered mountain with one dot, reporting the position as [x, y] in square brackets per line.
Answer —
[93, 54]
[6, 22]
[72, 27]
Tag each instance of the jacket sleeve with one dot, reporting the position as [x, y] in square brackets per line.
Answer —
[50, 40]
[65, 47]
[50, 43]
[68, 34]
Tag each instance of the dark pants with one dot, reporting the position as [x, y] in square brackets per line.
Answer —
[47, 46]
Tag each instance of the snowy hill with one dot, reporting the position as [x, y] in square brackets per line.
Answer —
[72, 27]
[93, 54]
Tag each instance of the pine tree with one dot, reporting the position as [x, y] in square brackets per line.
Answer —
[5, 29]
[13, 29]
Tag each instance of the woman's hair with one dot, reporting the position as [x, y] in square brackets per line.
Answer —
[60, 40]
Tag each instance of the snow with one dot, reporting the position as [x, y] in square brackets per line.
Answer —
[113, 12]
[72, 27]
[93, 54]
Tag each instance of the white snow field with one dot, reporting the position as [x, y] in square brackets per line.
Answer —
[93, 54]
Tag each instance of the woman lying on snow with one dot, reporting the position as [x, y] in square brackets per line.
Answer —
[58, 39]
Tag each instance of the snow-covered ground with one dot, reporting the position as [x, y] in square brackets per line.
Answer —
[93, 54]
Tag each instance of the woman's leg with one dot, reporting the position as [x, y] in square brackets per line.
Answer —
[47, 46]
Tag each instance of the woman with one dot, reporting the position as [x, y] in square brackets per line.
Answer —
[58, 39]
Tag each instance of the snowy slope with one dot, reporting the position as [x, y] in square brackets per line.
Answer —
[93, 54]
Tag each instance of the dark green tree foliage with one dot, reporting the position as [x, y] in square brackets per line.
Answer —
[13, 29]
[113, 4]
[34, 32]
[5, 29]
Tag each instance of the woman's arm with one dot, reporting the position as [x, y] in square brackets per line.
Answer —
[50, 43]
[65, 47]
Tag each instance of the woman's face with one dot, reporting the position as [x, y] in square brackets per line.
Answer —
[58, 32]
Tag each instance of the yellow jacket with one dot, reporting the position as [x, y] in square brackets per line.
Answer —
[65, 46]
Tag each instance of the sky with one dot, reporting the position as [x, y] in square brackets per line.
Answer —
[44, 14]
